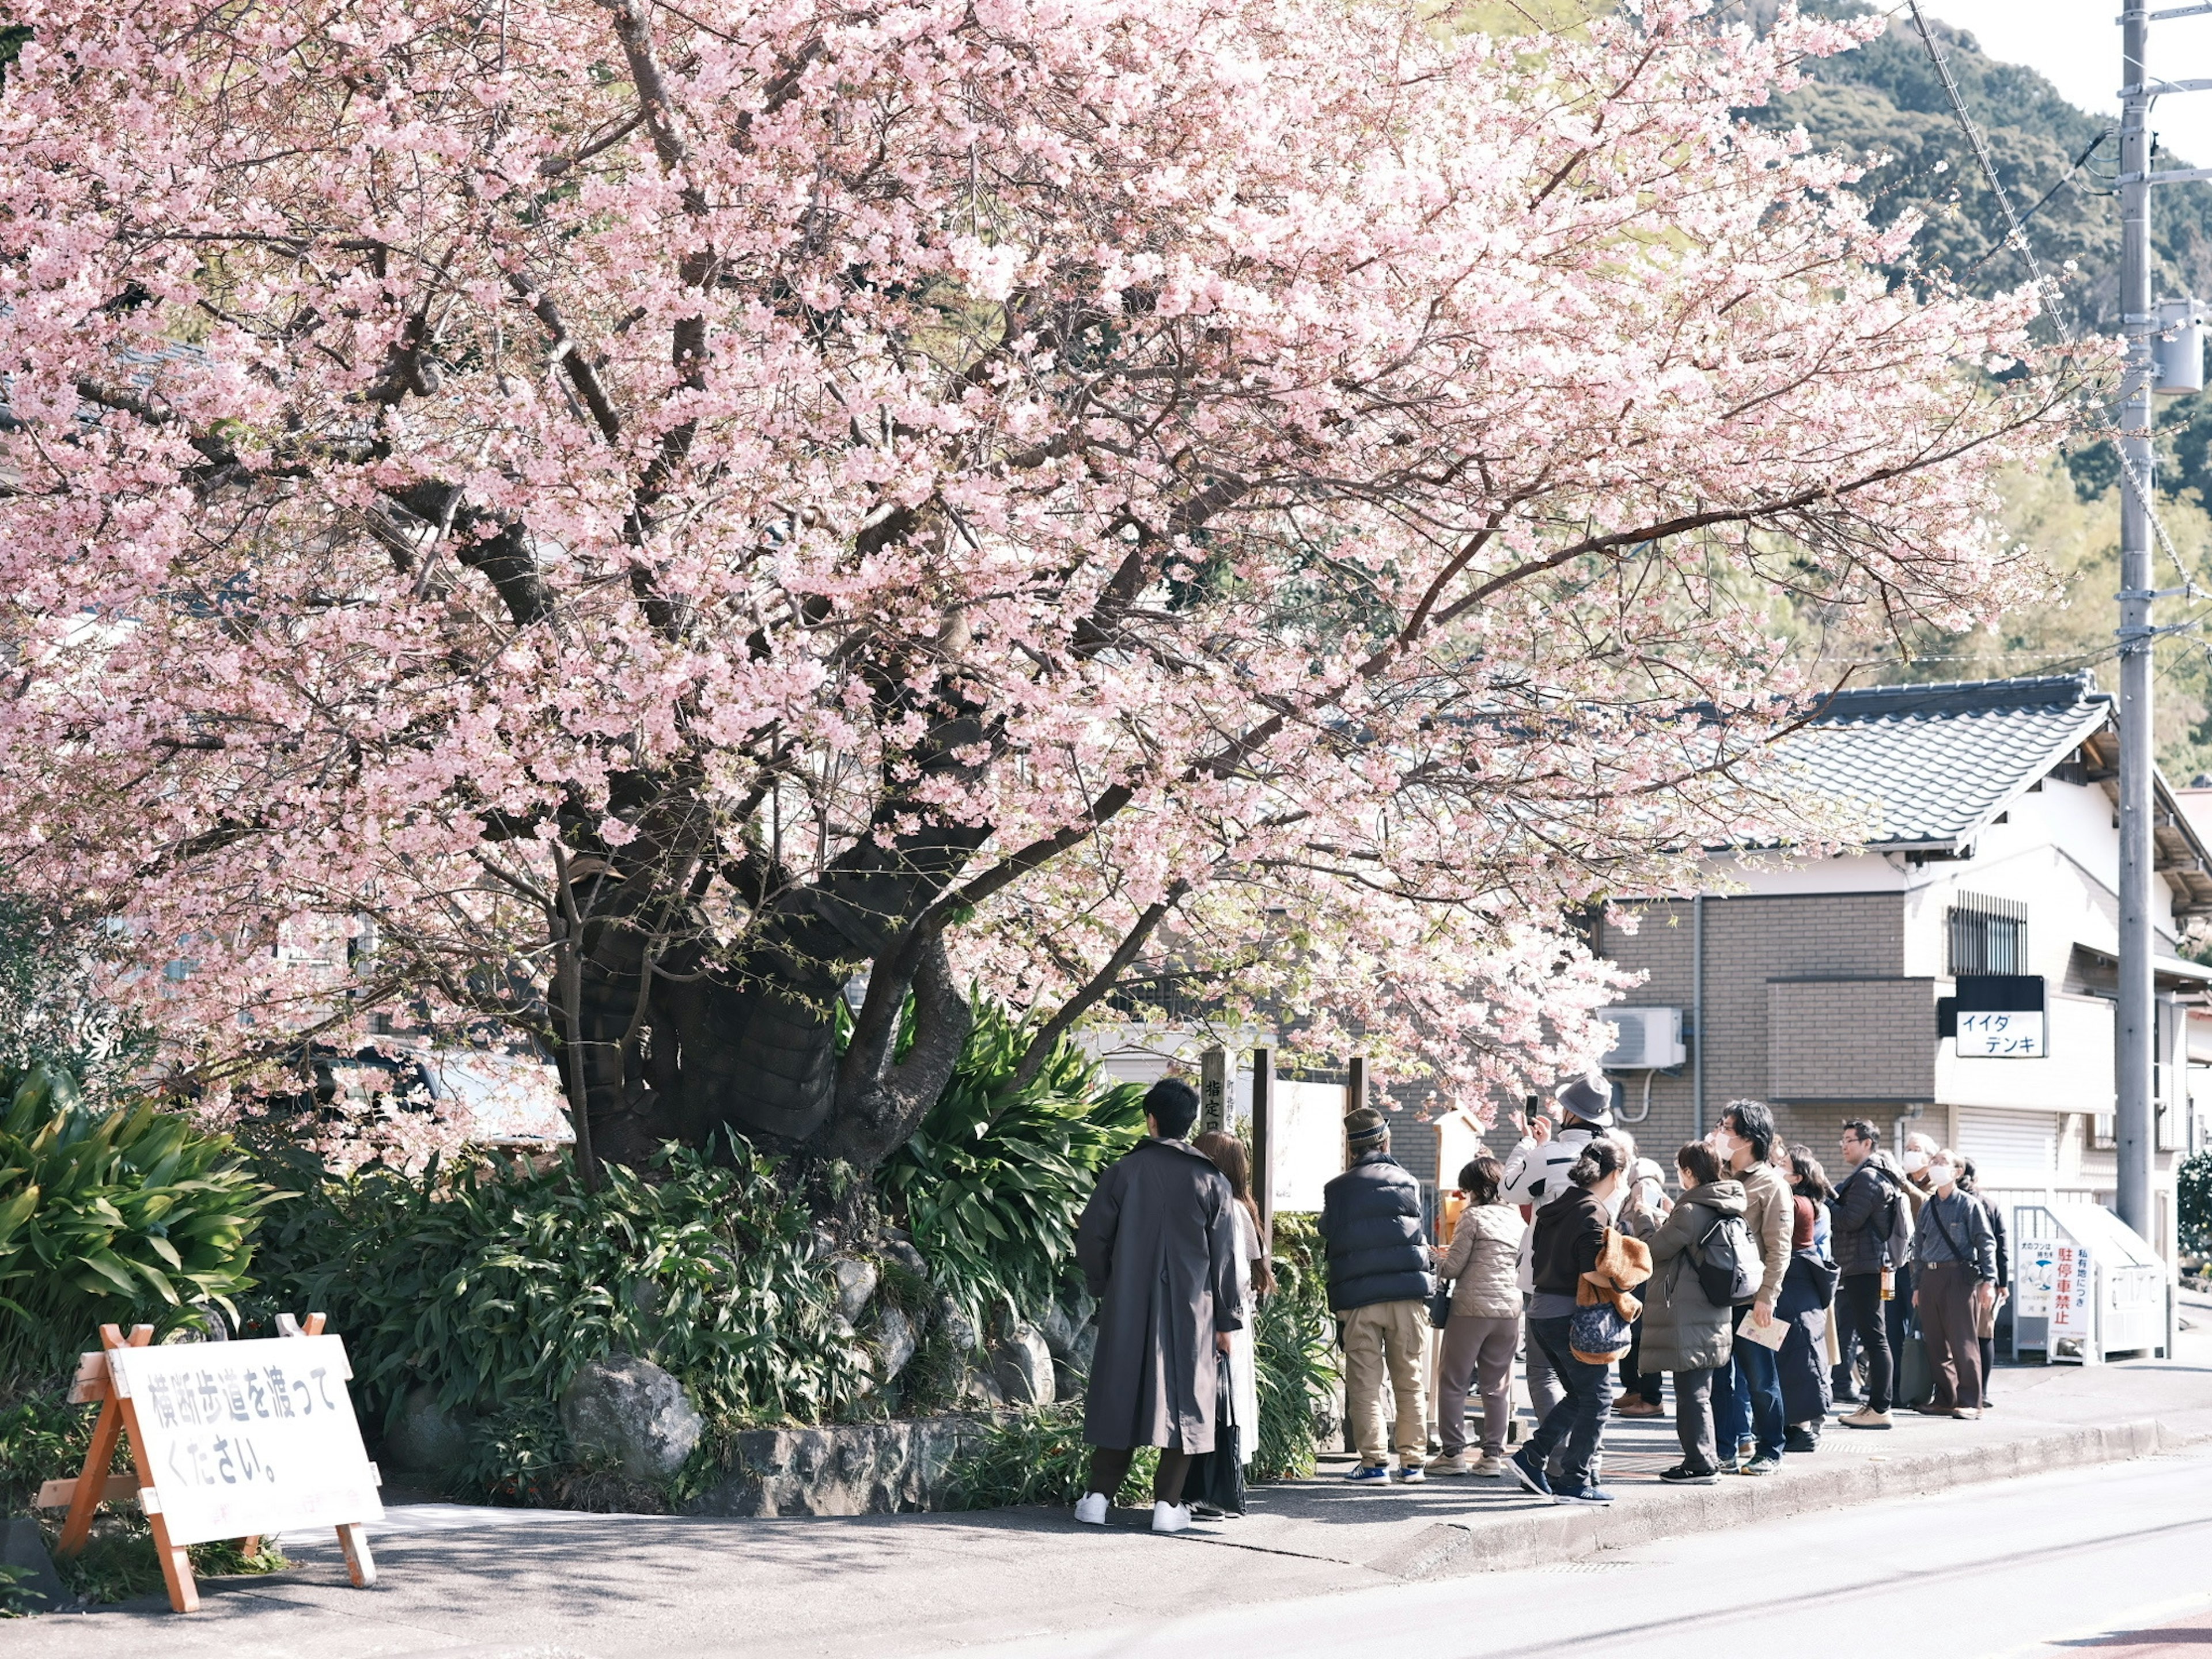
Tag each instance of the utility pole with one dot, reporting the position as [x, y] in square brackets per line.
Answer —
[2139, 318]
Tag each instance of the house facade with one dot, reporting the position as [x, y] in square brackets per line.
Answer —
[1991, 848]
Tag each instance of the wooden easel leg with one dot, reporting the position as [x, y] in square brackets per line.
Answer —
[78, 1529]
[107, 1428]
[360, 1565]
[176, 1569]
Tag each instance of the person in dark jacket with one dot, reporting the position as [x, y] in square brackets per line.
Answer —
[1987, 1324]
[1378, 1286]
[1157, 1247]
[1570, 1235]
[1808, 1291]
[1860, 1221]
[1684, 1332]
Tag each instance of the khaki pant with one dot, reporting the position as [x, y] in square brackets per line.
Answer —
[1392, 1336]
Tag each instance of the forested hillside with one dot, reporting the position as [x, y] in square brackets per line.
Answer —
[1886, 100]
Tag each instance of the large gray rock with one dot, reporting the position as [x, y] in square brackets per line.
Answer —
[978, 1390]
[859, 1468]
[1021, 1364]
[630, 1412]
[427, 1439]
[856, 1282]
[959, 1330]
[902, 1251]
[1062, 1325]
[895, 1339]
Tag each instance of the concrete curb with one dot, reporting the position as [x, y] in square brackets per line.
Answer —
[1535, 1538]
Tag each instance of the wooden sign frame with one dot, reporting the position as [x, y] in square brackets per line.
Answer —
[119, 1420]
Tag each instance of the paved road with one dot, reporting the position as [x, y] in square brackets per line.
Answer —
[2116, 1560]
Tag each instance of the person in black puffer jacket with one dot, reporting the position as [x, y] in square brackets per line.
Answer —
[1378, 1285]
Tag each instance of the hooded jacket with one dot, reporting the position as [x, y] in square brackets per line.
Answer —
[1370, 1225]
[1682, 1331]
[1483, 1260]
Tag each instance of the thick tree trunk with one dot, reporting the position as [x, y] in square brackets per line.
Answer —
[751, 1047]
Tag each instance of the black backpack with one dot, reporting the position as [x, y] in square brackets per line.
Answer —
[1727, 1264]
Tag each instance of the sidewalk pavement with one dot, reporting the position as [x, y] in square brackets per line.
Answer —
[476, 1583]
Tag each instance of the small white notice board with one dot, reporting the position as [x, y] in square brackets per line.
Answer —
[245, 1437]
[2009, 1036]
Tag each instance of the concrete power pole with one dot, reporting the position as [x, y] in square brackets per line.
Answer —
[2132, 1116]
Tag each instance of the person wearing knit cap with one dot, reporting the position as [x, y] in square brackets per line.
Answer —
[1378, 1260]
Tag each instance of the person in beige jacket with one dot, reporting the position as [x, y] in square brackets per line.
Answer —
[1747, 1395]
[1485, 1327]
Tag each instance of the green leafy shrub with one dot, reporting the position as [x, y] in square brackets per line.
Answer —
[1035, 1454]
[991, 1184]
[494, 1290]
[1294, 1350]
[2193, 1210]
[125, 1216]
[42, 1437]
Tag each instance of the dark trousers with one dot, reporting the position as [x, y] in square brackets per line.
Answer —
[1860, 1309]
[1897, 1315]
[1634, 1379]
[1576, 1427]
[1988, 1344]
[1693, 1419]
[1946, 1326]
[1110, 1468]
[1748, 1399]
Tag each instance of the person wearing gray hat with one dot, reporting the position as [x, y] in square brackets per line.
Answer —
[1378, 1284]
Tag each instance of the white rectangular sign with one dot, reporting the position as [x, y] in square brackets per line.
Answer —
[2017, 1036]
[243, 1437]
[2073, 1274]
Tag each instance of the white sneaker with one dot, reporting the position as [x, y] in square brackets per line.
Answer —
[1091, 1508]
[1170, 1517]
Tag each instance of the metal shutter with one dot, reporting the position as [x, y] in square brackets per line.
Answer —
[2009, 1143]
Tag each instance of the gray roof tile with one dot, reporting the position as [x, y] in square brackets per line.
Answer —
[1934, 763]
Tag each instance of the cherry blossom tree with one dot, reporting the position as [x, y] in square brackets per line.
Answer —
[651, 517]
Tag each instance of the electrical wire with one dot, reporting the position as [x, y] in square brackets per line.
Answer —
[2015, 237]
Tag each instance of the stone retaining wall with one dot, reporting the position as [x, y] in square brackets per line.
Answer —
[857, 1468]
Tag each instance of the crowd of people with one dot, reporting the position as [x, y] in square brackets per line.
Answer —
[1768, 1296]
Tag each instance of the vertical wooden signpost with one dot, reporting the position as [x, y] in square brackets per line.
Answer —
[1263, 1146]
[226, 1440]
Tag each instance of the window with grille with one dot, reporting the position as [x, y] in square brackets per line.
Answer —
[1986, 935]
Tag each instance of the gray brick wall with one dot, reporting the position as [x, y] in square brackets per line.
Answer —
[1750, 942]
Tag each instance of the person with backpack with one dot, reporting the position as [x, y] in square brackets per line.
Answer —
[1689, 1306]
[1955, 1274]
[1747, 1395]
[1572, 1238]
[1866, 1214]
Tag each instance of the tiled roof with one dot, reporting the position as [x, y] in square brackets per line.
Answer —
[1931, 764]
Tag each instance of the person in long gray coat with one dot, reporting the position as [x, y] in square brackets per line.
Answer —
[1683, 1332]
[1158, 1245]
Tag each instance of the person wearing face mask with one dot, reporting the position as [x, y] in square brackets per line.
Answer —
[1747, 1395]
[1643, 1206]
[1955, 1274]
[1913, 1162]
[1570, 1237]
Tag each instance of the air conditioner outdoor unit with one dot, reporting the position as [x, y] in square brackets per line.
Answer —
[1643, 1039]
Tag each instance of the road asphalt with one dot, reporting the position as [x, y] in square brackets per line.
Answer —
[2091, 1479]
